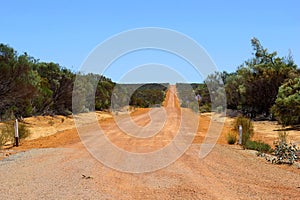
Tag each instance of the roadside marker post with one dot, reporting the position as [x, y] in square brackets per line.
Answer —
[198, 98]
[240, 134]
[16, 133]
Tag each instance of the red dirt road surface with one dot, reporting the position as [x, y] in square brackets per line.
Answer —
[60, 167]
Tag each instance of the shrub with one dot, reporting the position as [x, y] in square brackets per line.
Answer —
[23, 131]
[247, 128]
[8, 132]
[287, 105]
[284, 152]
[283, 136]
[205, 108]
[258, 146]
[231, 138]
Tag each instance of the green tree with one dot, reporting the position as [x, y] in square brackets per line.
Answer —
[29, 87]
[55, 89]
[216, 89]
[17, 83]
[287, 106]
[234, 90]
[103, 93]
[254, 87]
[148, 95]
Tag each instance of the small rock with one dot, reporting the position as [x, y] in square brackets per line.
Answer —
[86, 177]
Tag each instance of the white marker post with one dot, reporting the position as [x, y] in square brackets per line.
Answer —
[17, 133]
[199, 98]
[240, 134]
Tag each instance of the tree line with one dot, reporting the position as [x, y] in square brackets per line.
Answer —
[29, 87]
[265, 84]
[149, 95]
[139, 95]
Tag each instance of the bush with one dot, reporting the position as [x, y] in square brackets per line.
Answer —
[287, 105]
[7, 133]
[283, 136]
[205, 108]
[231, 138]
[258, 146]
[284, 152]
[247, 128]
[23, 131]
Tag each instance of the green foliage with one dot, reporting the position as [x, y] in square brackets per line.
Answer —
[254, 87]
[23, 131]
[258, 146]
[138, 95]
[205, 108]
[29, 87]
[202, 89]
[187, 96]
[234, 88]
[217, 92]
[92, 92]
[231, 138]
[83, 92]
[103, 93]
[185, 93]
[217, 95]
[285, 153]
[17, 83]
[55, 89]
[247, 127]
[287, 105]
[148, 95]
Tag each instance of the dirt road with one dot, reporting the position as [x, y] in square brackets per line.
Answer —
[69, 171]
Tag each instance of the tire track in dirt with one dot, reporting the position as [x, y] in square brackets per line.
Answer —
[226, 173]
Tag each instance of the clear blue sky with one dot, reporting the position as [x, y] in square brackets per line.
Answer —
[65, 32]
